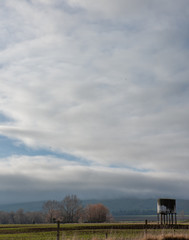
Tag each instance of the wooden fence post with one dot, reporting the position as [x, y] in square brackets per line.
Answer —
[146, 227]
[58, 230]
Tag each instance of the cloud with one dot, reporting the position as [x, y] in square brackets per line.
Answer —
[47, 176]
[134, 11]
[105, 81]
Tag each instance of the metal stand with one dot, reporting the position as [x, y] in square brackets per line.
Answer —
[167, 218]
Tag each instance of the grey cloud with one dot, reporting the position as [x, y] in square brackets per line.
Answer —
[114, 93]
[132, 10]
[25, 175]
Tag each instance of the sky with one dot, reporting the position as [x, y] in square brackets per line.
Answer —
[94, 99]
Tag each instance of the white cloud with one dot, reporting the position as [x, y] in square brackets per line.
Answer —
[108, 83]
[158, 12]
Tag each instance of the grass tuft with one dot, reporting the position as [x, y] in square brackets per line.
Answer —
[166, 237]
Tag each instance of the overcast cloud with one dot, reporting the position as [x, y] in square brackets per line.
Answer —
[101, 86]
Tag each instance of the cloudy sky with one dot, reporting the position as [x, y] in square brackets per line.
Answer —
[94, 99]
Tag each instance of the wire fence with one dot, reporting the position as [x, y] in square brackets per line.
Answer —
[128, 232]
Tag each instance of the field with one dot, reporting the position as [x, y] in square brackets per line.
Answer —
[111, 231]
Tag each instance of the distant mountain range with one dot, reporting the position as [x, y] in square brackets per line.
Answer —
[26, 206]
[118, 207]
[134, 206]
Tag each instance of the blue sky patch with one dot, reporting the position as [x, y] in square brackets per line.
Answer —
[9, 147]
[4, 118]
[135, 169]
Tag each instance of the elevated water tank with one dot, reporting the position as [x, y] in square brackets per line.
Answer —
[166, 206]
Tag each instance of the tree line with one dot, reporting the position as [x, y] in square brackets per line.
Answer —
[69, 210]
[21, 217]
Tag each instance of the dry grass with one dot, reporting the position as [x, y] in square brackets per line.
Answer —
[153, 237]
[168, 237]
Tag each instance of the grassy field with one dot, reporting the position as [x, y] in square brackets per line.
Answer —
[22, 231]
[86, 232]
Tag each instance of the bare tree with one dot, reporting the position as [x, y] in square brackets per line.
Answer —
[11, 217]
[51, 209]
[35, 217]
[4, 217]
[71, 209]
[20, 216]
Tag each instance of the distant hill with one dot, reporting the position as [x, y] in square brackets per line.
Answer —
[118, 207]
[128, 206]
[27, 206]
[134, 206]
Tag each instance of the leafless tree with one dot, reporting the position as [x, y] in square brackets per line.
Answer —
[20, 217]
[35, 217]
[71, 209]
[51, 209]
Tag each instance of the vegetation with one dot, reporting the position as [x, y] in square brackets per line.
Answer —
[100, 231]
[120, 208]
[70, 210]
[21, 217]
[89, 222]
